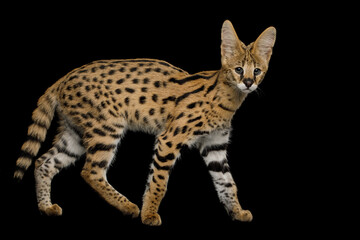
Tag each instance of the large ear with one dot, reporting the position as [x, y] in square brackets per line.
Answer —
[264, 44]
[230, 43]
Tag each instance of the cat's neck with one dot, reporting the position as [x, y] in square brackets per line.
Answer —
[230, 96]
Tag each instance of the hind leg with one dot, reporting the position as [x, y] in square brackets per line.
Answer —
[66, 150]
[101, 143]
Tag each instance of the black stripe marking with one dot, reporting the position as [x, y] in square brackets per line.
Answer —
[108, 128]
[116, 136]
[171, 98]
[226, 168]
[199, 124]
[40, 124]
[209, 149]
[100, 147]
[33, 138]
[20, 169]
[58, 164]
[158, 167]
[216, 166]
[194, 119]
[112, 113]
[176, 131]
[118, 125]
[166, 158]
[99, 132]
[190, 78]
[74, 76]
[201, 132]
[64, 151]
[101, 164]
[184, 129]
[179, 116]
[44, 111]
[192, 105]
[182, 97]
[226, 108]
[25, 154]
[212, 87]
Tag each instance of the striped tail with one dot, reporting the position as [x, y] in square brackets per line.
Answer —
[41, 117]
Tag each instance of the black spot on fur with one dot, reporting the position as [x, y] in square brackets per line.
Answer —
[129, 90]
[142, 99]
[157, 84]
[120, 81]
[154, 97]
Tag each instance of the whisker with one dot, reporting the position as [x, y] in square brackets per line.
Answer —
[260, 92]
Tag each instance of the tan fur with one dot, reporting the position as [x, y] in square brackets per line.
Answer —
[99, 101]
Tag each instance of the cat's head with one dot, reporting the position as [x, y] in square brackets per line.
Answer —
[245, 66]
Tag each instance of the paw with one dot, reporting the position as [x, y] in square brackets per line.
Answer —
[242, 215]
[53, 210]
[130, 209]
[151, 219]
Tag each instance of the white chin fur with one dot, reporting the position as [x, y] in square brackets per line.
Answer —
[244, 89]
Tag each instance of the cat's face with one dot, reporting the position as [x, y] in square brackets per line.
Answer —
[245, 66]
[247, 71]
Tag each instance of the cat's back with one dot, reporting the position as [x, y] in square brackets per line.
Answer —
[121, 72]
[136, 89]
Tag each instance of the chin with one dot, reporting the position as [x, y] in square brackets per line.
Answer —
[246, 91]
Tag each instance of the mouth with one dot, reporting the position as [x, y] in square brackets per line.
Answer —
[246, 89]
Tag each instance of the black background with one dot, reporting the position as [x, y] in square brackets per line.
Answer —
[276, 152]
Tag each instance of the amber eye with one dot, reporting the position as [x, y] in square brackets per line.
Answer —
[257, 71]
[239, 70]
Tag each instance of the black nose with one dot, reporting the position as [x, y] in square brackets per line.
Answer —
[248, 82]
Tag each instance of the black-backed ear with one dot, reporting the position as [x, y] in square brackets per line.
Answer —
[264, 44]
[230, 43]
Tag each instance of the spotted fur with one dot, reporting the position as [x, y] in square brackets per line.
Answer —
[98, 102]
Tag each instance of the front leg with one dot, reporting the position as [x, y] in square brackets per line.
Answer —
[213, 150]
[167, 150]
